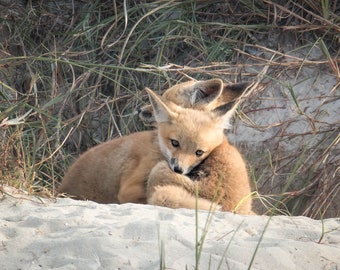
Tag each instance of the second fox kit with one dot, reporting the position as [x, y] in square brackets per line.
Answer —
[222, 177]
[117, 171]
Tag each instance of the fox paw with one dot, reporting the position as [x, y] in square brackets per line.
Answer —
[197, 175]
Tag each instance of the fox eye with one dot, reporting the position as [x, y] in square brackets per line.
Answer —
[199, 153]
[174, 143]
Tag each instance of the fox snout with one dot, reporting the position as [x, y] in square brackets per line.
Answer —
[174, 165]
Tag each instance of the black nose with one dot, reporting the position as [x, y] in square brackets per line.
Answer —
[139, 110]
[178, 170]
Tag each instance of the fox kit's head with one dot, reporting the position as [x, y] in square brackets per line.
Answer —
[200, 95]
[187, 136]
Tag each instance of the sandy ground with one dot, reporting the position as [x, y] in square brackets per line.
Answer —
[37, 233]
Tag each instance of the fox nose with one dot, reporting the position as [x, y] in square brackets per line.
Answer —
[178, 170]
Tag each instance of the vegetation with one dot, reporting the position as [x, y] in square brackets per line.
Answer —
[72, 75]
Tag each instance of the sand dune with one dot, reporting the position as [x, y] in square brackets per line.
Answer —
[66, 234]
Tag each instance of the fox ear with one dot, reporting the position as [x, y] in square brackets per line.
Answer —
[161, 111]
[223, 114]
[233, 91]
[228, 98]
[206, 91]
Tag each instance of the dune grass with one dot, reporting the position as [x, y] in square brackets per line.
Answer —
[73, 75]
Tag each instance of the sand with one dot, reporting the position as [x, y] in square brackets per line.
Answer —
[38, 233]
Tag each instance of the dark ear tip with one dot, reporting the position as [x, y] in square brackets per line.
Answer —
[139, 110]
[239, 87]
[145, 114]
[223, 109]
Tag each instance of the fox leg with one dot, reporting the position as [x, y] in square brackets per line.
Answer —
[170, 189]
[132, 189]
[131, 193]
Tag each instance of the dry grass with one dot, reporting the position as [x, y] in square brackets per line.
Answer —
[72, 75]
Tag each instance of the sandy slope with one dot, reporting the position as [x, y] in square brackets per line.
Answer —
[69, 234]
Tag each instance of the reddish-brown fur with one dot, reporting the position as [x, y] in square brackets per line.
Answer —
[112, 172]
[117, 171]
[222, 178]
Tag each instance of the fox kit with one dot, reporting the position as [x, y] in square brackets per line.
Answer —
[222, 177]
[117, 171]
